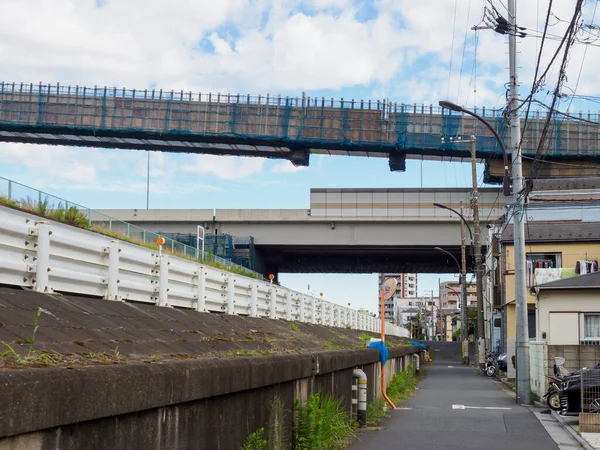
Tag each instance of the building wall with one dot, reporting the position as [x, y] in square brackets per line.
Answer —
[571, 252]
[406, 289]
[449, 293]
[558, 314]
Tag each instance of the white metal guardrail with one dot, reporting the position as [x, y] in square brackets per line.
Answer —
[50, 256]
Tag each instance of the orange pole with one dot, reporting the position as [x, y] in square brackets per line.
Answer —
[382, 314]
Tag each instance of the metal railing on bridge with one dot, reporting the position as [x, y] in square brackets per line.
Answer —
[271, 126]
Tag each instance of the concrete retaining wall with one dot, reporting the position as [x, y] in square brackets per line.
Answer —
[211, 403]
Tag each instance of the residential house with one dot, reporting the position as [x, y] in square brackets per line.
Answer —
[568, 311]
[550, 245]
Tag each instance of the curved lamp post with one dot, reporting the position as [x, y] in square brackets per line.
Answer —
[439, 205]
[439, 249]
[455, 107]
[463, 309]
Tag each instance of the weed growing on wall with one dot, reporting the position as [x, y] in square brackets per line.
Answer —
[321, 424]
[402, 385]
[256, 441]
[277, 434]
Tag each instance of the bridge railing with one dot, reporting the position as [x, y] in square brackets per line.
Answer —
[375, 126]
[47, 205]
[50, 256]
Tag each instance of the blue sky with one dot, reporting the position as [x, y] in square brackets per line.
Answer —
[401, 50]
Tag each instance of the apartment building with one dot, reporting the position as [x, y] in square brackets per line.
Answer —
[406, 289]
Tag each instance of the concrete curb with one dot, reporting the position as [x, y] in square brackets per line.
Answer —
[571, 431]
[584, 444]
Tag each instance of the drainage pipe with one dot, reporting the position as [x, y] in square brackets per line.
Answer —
[361, 411]
[382, 314]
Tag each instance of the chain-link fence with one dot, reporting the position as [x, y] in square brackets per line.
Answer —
[590, 391]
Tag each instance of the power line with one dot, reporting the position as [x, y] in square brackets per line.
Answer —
[452, 49]
[582, 60]
[572, 29]
[462, 61]
[534, 86]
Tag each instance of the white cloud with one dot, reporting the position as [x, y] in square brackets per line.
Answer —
[225, 167]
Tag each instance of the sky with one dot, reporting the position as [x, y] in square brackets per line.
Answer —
[401, 50]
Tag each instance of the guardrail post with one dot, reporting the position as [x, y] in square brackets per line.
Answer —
[288, 306]
[112, 291]
[230, 294]
[163, 281]
[200, 289]
[272, 302]
[302, 312]
[253, 299]
[42, 276]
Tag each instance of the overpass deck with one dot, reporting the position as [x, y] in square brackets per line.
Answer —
[267, 126]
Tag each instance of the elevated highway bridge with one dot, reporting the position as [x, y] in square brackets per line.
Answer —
[289, 128]
[343, 231]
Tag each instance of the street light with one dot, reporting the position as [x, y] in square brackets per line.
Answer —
[463, 255]
[439, 205]
[439, 249]
[455, 107]
[463, 307]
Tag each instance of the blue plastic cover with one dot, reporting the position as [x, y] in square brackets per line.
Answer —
[418, 344]
[383, 351]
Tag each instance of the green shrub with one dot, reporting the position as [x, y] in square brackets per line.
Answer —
[321, 424]
[402, 385]
[256, 441]
[376, 413]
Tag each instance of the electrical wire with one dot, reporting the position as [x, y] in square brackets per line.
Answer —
[582, 60]
[452, 48]
[572, 29]
[534, 86]
[462, 61]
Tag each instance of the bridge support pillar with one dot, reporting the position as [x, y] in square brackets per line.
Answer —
[300, 157]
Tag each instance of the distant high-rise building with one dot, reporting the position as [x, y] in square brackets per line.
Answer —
[450, 294]
[407, 288]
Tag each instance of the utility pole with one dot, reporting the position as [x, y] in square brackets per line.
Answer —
[477, 249]
[464, 318]
[522, 351]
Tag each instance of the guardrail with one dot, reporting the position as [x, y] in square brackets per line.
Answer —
[34, 200]
[50, 256]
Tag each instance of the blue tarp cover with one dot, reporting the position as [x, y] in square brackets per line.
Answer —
[383, 351]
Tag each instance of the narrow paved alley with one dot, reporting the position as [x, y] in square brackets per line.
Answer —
[454, 408]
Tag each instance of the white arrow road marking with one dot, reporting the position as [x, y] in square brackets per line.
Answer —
[480, 407]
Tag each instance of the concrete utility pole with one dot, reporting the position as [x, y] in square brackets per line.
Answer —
[477, 249]
[464, 318]
[522, 353]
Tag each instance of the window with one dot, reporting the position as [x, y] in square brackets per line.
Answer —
[541, 261]
[590, 328]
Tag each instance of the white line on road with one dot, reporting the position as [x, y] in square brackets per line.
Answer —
[480, 407]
